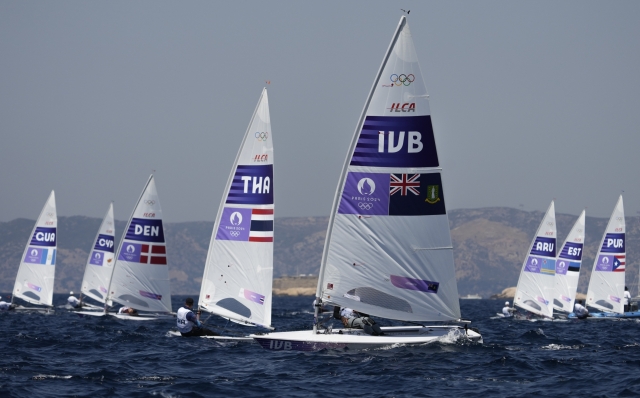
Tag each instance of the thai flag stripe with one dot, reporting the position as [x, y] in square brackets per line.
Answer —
[261, 225]
[259, 239]
[261, 212]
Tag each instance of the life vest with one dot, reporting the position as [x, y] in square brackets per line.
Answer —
[184, 325]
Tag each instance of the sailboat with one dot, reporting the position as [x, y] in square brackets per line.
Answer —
[34, 282]
[388, 250]
[568, 267]
[536, 285]
[606, 286]
[140, 277]
[99, 267]
[238, 274]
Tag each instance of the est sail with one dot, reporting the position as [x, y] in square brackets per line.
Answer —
[237, 280]
[141, 274]
[388, 249]
[606, 286]
[99, 267]
[536, 284]
[34, 282]
[568, 267]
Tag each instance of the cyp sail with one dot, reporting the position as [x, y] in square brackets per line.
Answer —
[99, 267]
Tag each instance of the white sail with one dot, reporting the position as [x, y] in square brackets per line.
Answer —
[99, 267]
[34, 282]
[141, 274]
[568, 267]
[606, 286]
[536, 284]
[388, 249]
[237, 280]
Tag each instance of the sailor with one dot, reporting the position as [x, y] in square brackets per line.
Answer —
[128, 311]
[627, 297]
[508, 311]
[73, 301]
[355, 320]
[188, 323]
[580, 311]
[4, 306]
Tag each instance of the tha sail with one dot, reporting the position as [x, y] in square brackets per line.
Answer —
[606, 286]
[99, 267]
[536, 285]
[568, 267]
[141, 275]
[34, 282]
[237, 280]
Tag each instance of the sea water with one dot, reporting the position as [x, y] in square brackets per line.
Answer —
[64, 355]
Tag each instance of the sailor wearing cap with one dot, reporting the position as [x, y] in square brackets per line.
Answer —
[73, 301]
[188, 323]
[507, 311]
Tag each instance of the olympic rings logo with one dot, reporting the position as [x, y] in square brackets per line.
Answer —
[262, 136]
[235, 234]
[150, 202]
[365, 206]
[402, 79]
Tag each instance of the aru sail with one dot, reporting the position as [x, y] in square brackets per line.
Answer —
[99, 267]
[34, 282]
[141, 274]
[606, 286]
[388, 248]
[568, 267]
[536, 285]
[239, 269]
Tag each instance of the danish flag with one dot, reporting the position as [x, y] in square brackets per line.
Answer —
[153, 254]
[404, 184]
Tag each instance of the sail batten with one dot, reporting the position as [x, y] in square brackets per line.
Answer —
[388, 250]
[606, 286]
[238, 274]
[535, 290]
[36, 274]
[140, 277]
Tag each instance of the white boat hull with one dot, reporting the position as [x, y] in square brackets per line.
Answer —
[356, 339]
[173, 333]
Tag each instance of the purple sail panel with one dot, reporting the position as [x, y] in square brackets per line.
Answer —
[613, 243]
[235, 224]
[571, 251]
[34, 255]
[605, 263]
[104, 243]
[130, 252]
[562, 266]
[144, 230]
[44, 236]
[390, 141]
[253, 296]
[97, 258]
[365, 194]
[152, 296]
[252, 185]
[544, 246]
[534, 264]
[414, 284]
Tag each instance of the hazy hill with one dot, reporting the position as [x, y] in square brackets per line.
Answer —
[489, 247]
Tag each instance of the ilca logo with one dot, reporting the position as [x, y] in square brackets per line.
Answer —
[403, 107]
[261, 136]
[261, 158]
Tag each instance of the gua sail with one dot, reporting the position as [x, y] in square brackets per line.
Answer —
[568, 267]
[388, 249]
[606, 286]
[536, 285]
[34, 282]
[99, 267]
[237, 280]
[141, 274]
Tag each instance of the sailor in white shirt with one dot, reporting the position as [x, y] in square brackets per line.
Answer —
[507, 311]
[627, 297]
[352, 319]
[4, 306]
[73, 301]
[127, 311]
[580, 311]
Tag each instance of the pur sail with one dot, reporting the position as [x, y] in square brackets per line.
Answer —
[34, 282]
[606, 286]
[238, 274]
[141, 274]
[536, 285]
[388, 249]
[568, 267]
[99, 267]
